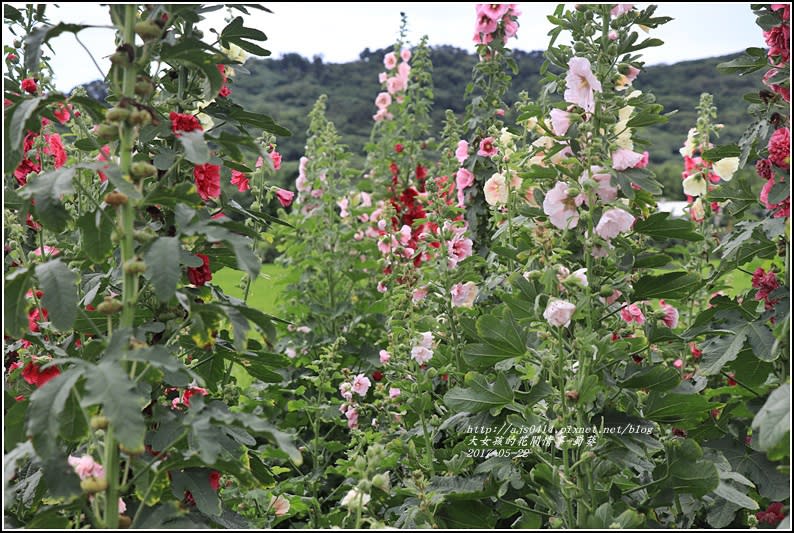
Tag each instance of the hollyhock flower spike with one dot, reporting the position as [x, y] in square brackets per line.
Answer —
[581, 84]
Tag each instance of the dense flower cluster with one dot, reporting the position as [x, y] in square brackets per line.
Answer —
[495, 22]
[395, 79]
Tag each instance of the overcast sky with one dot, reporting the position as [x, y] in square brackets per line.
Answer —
[339, 31]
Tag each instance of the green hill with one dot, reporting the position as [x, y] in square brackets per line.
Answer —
[286, 88]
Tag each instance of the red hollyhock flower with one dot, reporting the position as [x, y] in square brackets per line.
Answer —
[29, 85]
[763, 167]
[63, 112]
[765, 282]
[34, 375]
[215, 480]
[201, 275]
[208, 180]
[377, 375]
[780, 147]
[773, 514]
[731, 380]
[35, 316]
[181, 122]
[275, 157]
[695, 351]
[398, 148]
[104, 155]
[55, 148]
[12, 57]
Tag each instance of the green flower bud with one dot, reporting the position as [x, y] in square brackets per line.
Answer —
[381, 481]
[141, 169]
[148, 30]
[108, 132]
[134, 266]
[116, 198]
[110, 306]
[143, 88]
[606, 291]
[117, 114]
[140, 117]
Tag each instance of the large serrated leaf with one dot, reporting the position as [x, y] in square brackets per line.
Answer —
[670, 408]
[657, 377]
[196, 149]
[670, 285]
[15, 303]
[59, 284]
[480, 395]
[162, 267]
[503, 334]
[660, 227]
[108, 385]
[773, 422]
[96, 231]
[46, 405]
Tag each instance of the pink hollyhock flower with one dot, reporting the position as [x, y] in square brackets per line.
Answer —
[493, 11]
[487, 148]
[404, 72]
[580, 277]
[620, 9]
[485, 24]
[361, 384]
[559, 312]
[275, 157]
[419, 294]
[464, 294]
[383, 100]
[613, 222]
[405, 54]
[606, 192]
[561, 208]
[343, 204]
[763, 167]
[784, 92]
[284, 196]
[462, 151]
[581, 84]
[459, 248]
[613, 35]
[190, 392]
[346, 390]
[612, 298]
[29, 85]
[241, 180]
[623, 159]
[390, 60]
[51, 251]
[632, 73]
[560, 121]
[773, 514]
[421, 354]
[86, 467]
[208, 180]
[32, 372]
[678, 363]
[280, 505]
[463, 178]
[382, 77]
[426, 339]
[632, 313]
[779, 41]
[670, 315]
[780, 148]
[382, 115]
[352, 418]
[395, 84]
[382, 288]
[482, 38]
[394, 392]
[384, 356]
[200, 275]
[496, 192]
[785, 10]
[511, 28]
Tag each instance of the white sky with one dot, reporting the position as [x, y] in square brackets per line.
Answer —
[340, 31]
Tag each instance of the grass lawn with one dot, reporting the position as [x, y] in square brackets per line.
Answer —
[264, 291]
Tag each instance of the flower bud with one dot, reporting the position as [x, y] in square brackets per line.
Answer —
[140, 117]
[148, 30]
[134, 266]
[364, 486]
[381, 481]
[143, 88]
[572, 395]
[117, 114]
[134, 452]
[99, 422]
[606, 291]
[116, 198]
[432, 372]
[144, 235]
[141, 169]
[110, 306]
[124, 521]
[107, 132]
[93, 485]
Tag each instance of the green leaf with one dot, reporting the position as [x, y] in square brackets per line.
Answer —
[772, 424]
[196, 480]
[719, 351]
[721, 152]
[14, 423]
[96, 231]
[162, 267]
[480, 395]
[59, 284]
[15, 304]
[651, 260]
[660, 227]
[196, 149]
[657, 377]
[689, 473]
[671, 285]
[670, 408]
[236, 33]
[638, 176]
[502, 334]
[761, 340]
[46, 406]
[742, 65]
[483, 355]
[108, 385]
[15, 120]
[40, 35]
[646, 118]
[730, 493]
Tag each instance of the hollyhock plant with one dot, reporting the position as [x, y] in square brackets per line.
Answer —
[623, 159]
[284, 196]
[559, 312]
[200, 275]
[208, 180]
[581, 84]
[462, 151]
[464, 294]
[561, 207]
[29, 85]
[495, 189]
[614, 222]
[725, 168]
[181, 122]
[240, 180]
[33, 373]
[280, 505]
[361, 385]
[560, 121]
[779, 147]
[384, 356]
[487, 147]
[632, 313]
[86, 467]
[670, 318]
